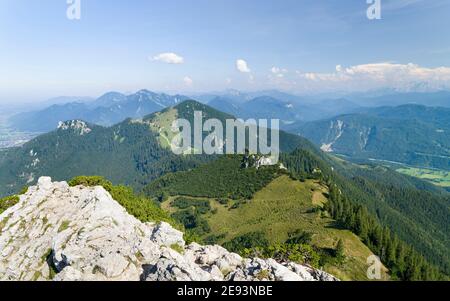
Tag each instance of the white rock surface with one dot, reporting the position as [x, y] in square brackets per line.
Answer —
[63, 233]
[79, 126]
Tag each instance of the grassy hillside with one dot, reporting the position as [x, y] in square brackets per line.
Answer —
[413, 210]
[400, 208]
[161, 123]
[282, 207]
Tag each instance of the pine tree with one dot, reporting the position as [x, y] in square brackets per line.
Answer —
[340, 250]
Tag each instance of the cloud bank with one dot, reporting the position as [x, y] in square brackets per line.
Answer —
[404, 77]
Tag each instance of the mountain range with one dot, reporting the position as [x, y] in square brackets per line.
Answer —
[114, 107]
[395, 98]
[109, 109]
[274, 104]
[131, 152]
[372, 202]
[410, 134]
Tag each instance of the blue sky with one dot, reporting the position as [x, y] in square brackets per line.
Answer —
[302, 46]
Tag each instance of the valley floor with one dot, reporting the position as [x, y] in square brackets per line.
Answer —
[437, 177]
[13, 138]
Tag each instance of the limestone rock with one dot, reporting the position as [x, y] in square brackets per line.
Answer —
[164, 234]
[63, 233]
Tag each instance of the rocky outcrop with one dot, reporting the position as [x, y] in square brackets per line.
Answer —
[57, 232]
[80, 127]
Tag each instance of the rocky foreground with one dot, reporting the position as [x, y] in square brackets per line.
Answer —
[57, 232]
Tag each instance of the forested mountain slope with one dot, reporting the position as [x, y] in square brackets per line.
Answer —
[368, 205]
[409, 134]
[133, 152]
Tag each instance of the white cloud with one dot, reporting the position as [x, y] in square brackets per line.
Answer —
[228, 81]
[242, 66]
[188, 81]
[381, 75]
[275, 70]
[278, 72]
[169, 58]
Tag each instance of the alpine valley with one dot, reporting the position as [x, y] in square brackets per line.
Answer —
[312, 216]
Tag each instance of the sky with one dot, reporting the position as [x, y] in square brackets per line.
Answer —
[191, 46]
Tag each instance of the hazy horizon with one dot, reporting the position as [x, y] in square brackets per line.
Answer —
[63, 99]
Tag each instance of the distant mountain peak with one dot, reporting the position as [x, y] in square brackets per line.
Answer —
[145, 92]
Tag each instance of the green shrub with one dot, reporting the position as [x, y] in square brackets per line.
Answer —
[64, 226]
[214, 239]
[300, 253]
[263, 275]
[340, 251]
[296, 249]
[91, 181]
[190, 237]
[7, 202]
[299, 237]
[247, 241]
[222, 201]
[23, 190]
[177, 248]
[201, 206]
[192, 221]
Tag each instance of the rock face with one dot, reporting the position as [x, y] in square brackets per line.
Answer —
[79, 126]
[57, 232]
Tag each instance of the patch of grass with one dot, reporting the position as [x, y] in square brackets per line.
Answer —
[96, 270]
[263, 275]
[139, 256]
[64, 226]
[8, 202]
[46, 255]
[437, 177]
[36, 276]
[177, 248]
[23, 190]
[47, 226]
[4, 222]
[162, 125]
